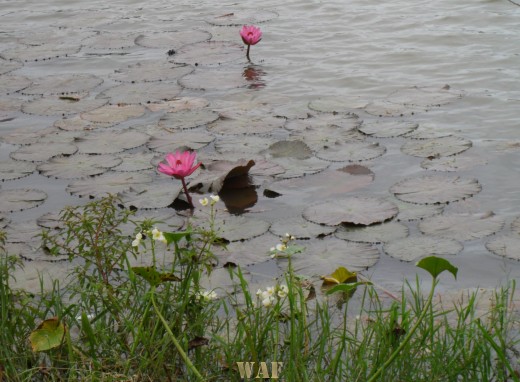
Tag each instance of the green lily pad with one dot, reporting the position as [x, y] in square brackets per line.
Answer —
[20, 199]
[436, 147]
[63, 84]
[412, 248]
[385, 108]
[425, 97]
[209, 53]
[108, 42]
[154, 277]
[10, 170]
[114, 113]
[300, 228]
[48, 335]
[249, 144]
[506, 246]
[24, 232]
[42, 52]
[187, 119]
[77, 124]
[289, 149]
[179, 104]
[354, 210]
[110, 142]
[172, 39]
[109, 183]
[339, 276]
[387, 129]
[430, 131]
[338, 124]
[377, 233]
[462, 226]
[237, 228]
[77, 166]
[50, 220]
[411, 212]
[40, 152]
[433, 189]
[266, 168]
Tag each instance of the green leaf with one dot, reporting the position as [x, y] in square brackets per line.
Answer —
[346, 288]
[48, 335]
[436, 265]
[340, 276]
[153, 277]
[175, 237]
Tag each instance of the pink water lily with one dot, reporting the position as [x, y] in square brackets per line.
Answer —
[251, 35]
[180, 165]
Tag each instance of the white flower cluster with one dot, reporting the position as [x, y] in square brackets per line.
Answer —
[206, 296]
[268, 297]
[281, 247]
[205, 201]
[155, 233]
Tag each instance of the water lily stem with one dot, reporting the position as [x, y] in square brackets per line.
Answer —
[187, 193]
[247, 54]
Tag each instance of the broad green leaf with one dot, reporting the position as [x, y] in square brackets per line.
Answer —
[153, 277]
[175, 237]
[436, 265]
[340, 276]
[346, 288]
[48, 335]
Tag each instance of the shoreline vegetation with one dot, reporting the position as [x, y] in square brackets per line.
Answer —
[112, 321]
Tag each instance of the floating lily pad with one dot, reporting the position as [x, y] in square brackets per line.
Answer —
[505, 246]
[10, 108]
[4, 220]
[213, 179]
[10, 170]
[110, 142]
[340, 122]
[151, 72]
[249, 144]
[214, 79]
[351, 152]
[378, 233]
[320, 256]
[54, 105]
[236, 228]
[172, 39]
[291, 110]
[7, 66]
[515, 225]
[114, 113]
[50, 220]
[430, 131]
[209, 53]
[384, 108]
[462, 226]
[266, 168]
[354, 210]
[63, 84]
[77, 166]
[246, 125]
[179, 104]
[300, 228]
[327, 136]
[20, 199]
[433, 189]
[338, 104]
[165, 221]
[141, 92]
[10, 84]
[77, 124]
[111, 183]
[388, 129]
[453, 163]
[436, 147]
[37, 274]
[106, 42]
[42, 151]
[24, 232]
[413, 248]
[135, 161]
[241, 17]
[295, 168]
[410, 211]
[187, 119]
[425, 97]
[289, 149]
[31, 252]
[26, 135]
[153, 195]
[244, 253]
[40, 52]
[169, 142]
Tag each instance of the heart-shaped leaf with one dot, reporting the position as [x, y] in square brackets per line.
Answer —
[436, 265]
[339, 276]
[48, 335]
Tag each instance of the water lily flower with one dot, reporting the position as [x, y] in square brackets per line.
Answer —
[180, 165]
[251, 35]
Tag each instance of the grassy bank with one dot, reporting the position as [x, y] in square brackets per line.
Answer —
[116, 322]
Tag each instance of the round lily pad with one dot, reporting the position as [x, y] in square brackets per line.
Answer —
[32, 252]
[10, 108]
[338, 104]
[221, 79]
[26, 135]
[384, 108]
[187, 119]
[10, 84]
[77, 166]
[351, 152]
[179, 104]
[414, 248]
[244, 253]
[106, 42]
[158, 194]
[453, 163]
[387, 129]
[246, 125]
[10, 170]
[322, 257]
[430, 131]
[377, 233]
[135, 161]
[433, 189]
[77, 124]
[300, 228]
[515, 225]
[55, 105]
[242, 17]
[249, 144]
[172, 39]
[142, 92]
[114, 113]
[109, 183]
[4, 220]
[289, 149]
[505, 246]
[237, 228]
[354, 210]
[7, 66]
[436, 147]
[266, 168]
[165, 220]
[411, 212]
[169, 142]
[42, 151]
[50, 220]
[151, 72]
[209, 53]
[217, 173]
[295, 168]
[424, 96]
[40, 52]
[20, 199]
[109, 142]
[341, 122]
[462, 226]
[327, 136]
[63, 84]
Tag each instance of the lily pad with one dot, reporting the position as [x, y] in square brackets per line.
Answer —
[241, 17]
[209, 53]
[384, 108]
[354, 210]
[505, 246]
[244, 253]
[246, 125]
[387, 129]
[40, 152]
[187, 119]
[425, 97]
[462, 226]
[4, 220]
[411, 212]
[221, 79]
[54, 105]
[135, 161]
[20, 199]
[338, 104]
[111, 142]
[436, 147]
[7, 66]
[454, 163]
[351, 152]
[153, 195]
[289, 149]
[166, 220]
[169, 142]
[172, 39]
[430, 131]
[320, 256]
[10, 108]
[50, 220]
[110, 183]
[413, 248]
[107, 42]
[77, 166]
[141, 92]
[266, 168]
[300, 228]
[249, 144]
[237, 228]
[32, 252]
[515, 225]
[24, 232]
[216, 174]
[63, 84]
[179, 104]
[77, 124]
[11, 84]
[26, 135]
[295, 168]
[40, 52]
[434, 189]
[114, 113]
[10, 170]
[151, 72]
[378, 233]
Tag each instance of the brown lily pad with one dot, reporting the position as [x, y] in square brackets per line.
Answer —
[114, 113]
[77, 166]
[20, 199]
[209, 53]
[414, 248]
[462, 226]
[354, 210]
[110, 183]
[505, 246]
[377, 233]
[216, 174]
[110, 142]
[436, 147]
[10, 170]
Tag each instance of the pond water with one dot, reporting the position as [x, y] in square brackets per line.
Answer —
[438, 68]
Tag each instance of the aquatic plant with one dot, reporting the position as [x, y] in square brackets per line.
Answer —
[180, 165]
[251, 35]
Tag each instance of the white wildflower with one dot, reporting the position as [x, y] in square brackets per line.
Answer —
[281, 247]
[283, 290]
[158, 235]
[267, 302]
[214, 198]
[204, 201]
[137, 239]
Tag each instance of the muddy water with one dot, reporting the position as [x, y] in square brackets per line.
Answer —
[316, 49]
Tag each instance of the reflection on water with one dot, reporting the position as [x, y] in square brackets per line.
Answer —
[239, 194]
[254, 74]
